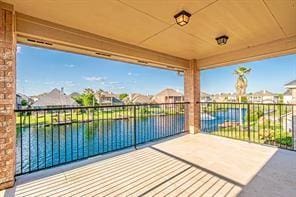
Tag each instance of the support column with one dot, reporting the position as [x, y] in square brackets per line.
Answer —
[192, 95]
[7, 96]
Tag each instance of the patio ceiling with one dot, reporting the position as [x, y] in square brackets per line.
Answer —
[256, 29]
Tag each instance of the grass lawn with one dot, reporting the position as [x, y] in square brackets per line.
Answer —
[80, 116]
[273, 137]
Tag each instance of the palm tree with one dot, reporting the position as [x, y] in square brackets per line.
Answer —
[241, 85]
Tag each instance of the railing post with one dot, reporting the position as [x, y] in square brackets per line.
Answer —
[135, 127]
[294, 127]
[249, 116]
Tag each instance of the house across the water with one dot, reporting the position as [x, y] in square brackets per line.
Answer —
[55, 98]
[136, 98]
[107, 98]
[263, 96]
[168, 95]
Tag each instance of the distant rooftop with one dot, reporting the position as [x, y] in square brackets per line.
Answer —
[291, 84]
[263, 93]
[55, 98]
[169, 92]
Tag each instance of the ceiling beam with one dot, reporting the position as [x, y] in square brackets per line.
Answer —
[267, 50]
[37, 32]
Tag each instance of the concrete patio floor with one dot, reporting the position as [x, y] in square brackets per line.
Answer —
[186, 165]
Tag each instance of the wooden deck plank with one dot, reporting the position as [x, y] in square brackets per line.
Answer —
[189, 165]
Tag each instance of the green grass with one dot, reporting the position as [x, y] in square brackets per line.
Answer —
[79, 116]
[267, 136]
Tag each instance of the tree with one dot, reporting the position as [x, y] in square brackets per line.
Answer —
[24, 103]
[122, 96]
[241, 86]
[241, 82]
[87, 98]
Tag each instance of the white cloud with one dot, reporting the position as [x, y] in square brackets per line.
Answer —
[49, 82]
[69, 83]
[70, 65]
[59, 83]
[18, 49]
[114, 82]
[132, 74]
[93, 78]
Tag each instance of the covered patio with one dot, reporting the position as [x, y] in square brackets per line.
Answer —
[146, 33]
[184, 165]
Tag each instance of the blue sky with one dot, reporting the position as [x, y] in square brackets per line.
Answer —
[40, 70]
[269, 74]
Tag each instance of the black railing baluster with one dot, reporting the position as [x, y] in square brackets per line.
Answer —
[263, 119]
[65, 135]
[71, 117]
[29, 142]
[52, 145]
[268, 124]
[135, 128]
[37, 139]
[98, 122]
[82, 132]
[77, 134]
[258, 123]
[59, 145]
[249, 116]
[44, 135]
[286, 117]
[122, 126]
[88, 130]
[293, 127]
[280, 118]
[93, 130]
[21, 134]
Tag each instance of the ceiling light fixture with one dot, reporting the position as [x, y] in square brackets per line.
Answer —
[182, 18]
[222, 40]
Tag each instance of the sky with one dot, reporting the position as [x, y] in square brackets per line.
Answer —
[40, 70]
[269, 74]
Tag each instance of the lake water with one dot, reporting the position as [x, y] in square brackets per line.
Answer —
[211, 122]
[47, 146]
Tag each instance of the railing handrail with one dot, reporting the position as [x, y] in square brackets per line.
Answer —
[94, 107]
[247, 103]
[57, 136]
[263, 123]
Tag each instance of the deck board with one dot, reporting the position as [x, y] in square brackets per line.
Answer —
[188, 165]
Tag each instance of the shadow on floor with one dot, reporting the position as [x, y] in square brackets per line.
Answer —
[154, 171]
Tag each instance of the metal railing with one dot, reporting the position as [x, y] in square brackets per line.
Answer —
[272, 124]
[50, 137]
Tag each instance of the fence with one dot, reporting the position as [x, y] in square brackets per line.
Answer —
[272, 124]
[53, 136]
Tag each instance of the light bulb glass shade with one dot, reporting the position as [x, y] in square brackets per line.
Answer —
[222, 40]
[182, 18]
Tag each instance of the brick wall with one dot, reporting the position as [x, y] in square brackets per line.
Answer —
[192, 95]
[7, 97]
